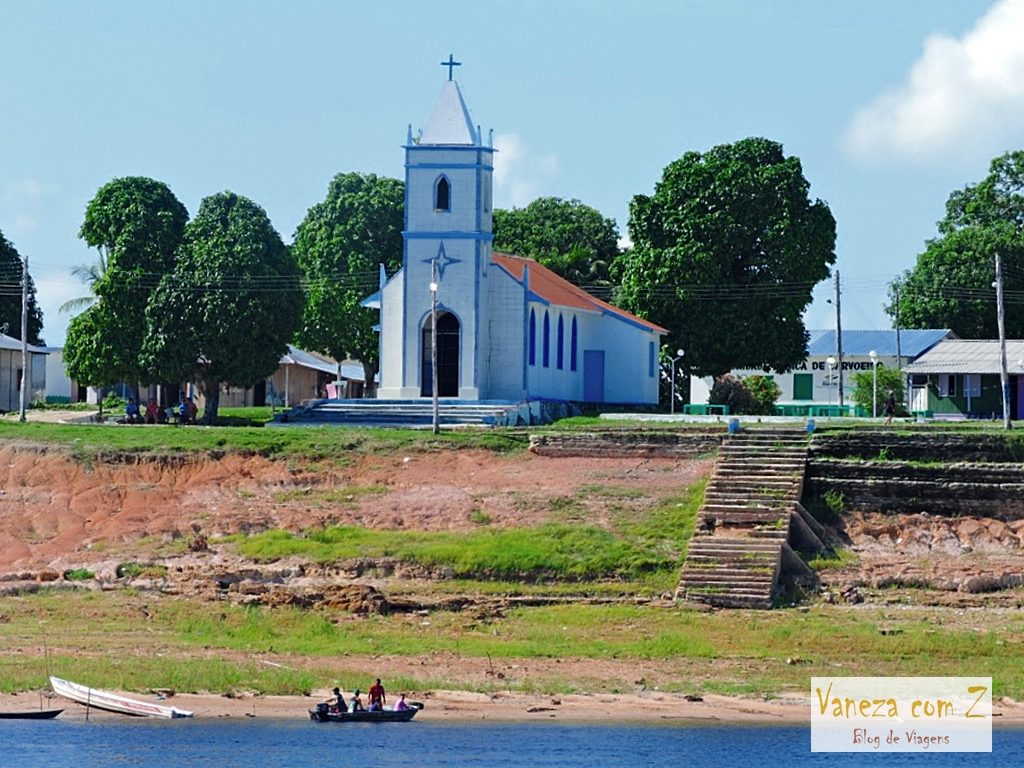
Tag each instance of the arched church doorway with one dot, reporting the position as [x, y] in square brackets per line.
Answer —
[447, 357]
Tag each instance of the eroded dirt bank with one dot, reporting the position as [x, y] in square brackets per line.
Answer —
[59, 511]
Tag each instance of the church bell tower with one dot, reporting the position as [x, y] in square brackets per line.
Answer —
[447, 253]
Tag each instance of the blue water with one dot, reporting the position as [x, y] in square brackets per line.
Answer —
[300, 743]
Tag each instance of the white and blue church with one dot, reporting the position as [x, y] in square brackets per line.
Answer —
[508, 328]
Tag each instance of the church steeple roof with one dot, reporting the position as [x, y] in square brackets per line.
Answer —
[450, 122]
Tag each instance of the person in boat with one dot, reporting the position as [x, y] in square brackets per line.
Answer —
[377, 696]
[400, 705]
[356, 704]
[337, 701]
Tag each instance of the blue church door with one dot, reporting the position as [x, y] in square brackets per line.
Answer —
[593, 375]
[447, 357]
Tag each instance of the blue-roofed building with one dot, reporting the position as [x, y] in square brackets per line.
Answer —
[815, 382]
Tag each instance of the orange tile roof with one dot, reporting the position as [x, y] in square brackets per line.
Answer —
[557, 290]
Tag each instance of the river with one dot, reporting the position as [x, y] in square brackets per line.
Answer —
[264, 742]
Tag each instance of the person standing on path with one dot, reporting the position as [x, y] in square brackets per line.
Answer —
[890, 409]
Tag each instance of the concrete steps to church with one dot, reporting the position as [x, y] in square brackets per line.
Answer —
[749, 523]
[400, 413]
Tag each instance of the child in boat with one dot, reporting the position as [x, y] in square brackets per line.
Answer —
[400, 705]
[356, 704]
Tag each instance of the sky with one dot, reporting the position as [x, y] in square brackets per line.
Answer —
[890, 107]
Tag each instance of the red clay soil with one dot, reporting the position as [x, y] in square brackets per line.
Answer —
[57, 511]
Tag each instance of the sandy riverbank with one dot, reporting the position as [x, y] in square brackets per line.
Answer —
[459, 706]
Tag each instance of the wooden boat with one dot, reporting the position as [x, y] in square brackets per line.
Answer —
[31, 714]
[324, 714]
[112, 702]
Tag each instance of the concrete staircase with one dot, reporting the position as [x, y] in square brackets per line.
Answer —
[414, 414]
[744, 549]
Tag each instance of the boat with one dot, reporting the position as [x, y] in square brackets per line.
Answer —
[31, 714]
[112, 702]
[323, 713]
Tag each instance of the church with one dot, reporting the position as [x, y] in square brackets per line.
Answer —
[507, 328]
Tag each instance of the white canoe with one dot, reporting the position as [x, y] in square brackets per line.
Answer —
[94, 697]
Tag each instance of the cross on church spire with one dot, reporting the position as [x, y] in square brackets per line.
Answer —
[451, 63]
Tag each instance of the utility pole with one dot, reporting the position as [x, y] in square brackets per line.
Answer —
[1004, 378]
[433, 348]
[25, 378]
[839, 339]
[899, 356]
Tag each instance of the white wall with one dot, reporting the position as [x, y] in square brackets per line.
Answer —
[826, 388]
[57, 382]
[504, 353]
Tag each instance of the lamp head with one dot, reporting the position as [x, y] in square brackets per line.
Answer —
[679, 353]
[873, 355]
[830, 362]
[433, 287]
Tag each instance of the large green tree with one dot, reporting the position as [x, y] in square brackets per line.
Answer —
[136, 224]
[340, 246]
[11, 270]
[568, 237]
[725, 255]
[950, 286]
[227, 312]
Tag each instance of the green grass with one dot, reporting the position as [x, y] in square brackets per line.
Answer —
[833, 560]
[317, 496]
[79, 574]
[87, 441]
[117, 639]
[551, 551]
[641, 544]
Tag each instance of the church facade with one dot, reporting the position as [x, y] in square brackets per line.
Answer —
[508, 328]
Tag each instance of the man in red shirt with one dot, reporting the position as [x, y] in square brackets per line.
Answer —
[376, 696]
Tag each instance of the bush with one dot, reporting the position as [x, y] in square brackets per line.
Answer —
[889, 380]
[754, 395]
[765, 392]
[113, 403]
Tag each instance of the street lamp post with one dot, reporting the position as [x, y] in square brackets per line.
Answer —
[433, 348]
[874, 383]
[672, 374]
[831, 363]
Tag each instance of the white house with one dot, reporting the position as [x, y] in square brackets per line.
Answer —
[507, 327]
[10, 373]
[815, 382]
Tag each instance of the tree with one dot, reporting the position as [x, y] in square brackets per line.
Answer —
[566, 236]
[725, 254]
[11, 269]
[889, 380]
[950, 286]
[90, 274]
[339, 246]
[228, 311]
[136, 224]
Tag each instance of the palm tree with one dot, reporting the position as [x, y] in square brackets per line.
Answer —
[89, 274]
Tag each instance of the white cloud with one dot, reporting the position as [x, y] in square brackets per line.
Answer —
[963, 98]
[21, 200]
[520, 173]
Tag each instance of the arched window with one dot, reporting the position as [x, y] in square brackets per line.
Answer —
[442, 195]
[547, 340]
[560, 340]
[533, 338]
[572, 346]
